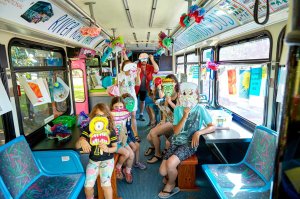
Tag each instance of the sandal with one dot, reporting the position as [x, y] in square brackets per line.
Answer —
[149, 151]
[138, 139]
[170, 193]
[154, 159]
[164, 152]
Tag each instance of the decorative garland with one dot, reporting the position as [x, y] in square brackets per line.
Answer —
[195, 12]
[113, 45]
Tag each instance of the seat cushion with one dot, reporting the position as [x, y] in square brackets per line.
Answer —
[59, 187]
[237, 176]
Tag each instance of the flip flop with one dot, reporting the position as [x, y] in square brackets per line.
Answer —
[170, 193]
[149, 151]
[151, 161]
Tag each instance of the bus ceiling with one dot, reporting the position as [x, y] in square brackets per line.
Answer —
[139, 22]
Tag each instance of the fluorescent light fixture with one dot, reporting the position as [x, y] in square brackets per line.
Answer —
[148, 36]
[125, 4]
[129, 18]
[134, 36]
[151, 17]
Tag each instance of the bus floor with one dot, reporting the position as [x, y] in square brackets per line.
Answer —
[148, 183]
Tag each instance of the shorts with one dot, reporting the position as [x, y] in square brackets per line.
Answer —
[131, 138]
[183, 152]
[119, 145]
[142, 95]
[103, 168]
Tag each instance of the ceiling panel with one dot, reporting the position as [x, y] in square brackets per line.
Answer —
[111, 14]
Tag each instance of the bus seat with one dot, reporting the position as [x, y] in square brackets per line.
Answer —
[252, 177]
[44, 174]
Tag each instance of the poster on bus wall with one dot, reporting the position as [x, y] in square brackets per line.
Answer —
[244, 84]
[231, 81]
[46, 17]
[255, 81]
[5, 105]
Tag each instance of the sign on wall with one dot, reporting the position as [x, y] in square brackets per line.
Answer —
[48, 18]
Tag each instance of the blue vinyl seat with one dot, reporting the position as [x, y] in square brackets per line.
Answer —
[252, 177]
[41, 174]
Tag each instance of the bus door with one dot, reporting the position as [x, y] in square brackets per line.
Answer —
[80, 85]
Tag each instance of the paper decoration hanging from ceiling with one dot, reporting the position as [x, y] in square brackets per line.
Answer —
[36, 90]
[60, 90]
[5, 105]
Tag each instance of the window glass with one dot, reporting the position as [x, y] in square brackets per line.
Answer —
[92, 62]
[193, 73]
[34, 117]
[256, 49]
[2, 136]
[77, 75]
[180, 59]
[30, 57]
[180, 68]
[192, 58]
[242, 89]
[206, 55]
[205, 80]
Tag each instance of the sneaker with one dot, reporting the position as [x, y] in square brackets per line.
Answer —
[128, 176]
[141, 118]
[119, 174]
[140, 165]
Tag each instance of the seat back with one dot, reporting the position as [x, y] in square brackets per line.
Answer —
[18, 168]
[261, 153]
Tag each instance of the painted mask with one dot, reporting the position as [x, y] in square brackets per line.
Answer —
[129, 103]
[168, 86]
[188, 94]
[99, 133]
[131, 67]
[120, 118]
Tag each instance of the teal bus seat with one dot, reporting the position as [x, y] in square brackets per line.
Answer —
[252, 177]
[41, 174]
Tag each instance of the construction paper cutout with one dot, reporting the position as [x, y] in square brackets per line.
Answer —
[129, 103]
[60, 90]
[120, 118]
[188, 94]
[5, 105]
[168, 86]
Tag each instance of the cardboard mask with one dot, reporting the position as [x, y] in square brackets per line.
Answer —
[188, 95]
[129, 103]
[120, 118]
[168, 86]
[132, 67]
[99, 133]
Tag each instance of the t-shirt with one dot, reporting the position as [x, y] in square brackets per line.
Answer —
[198, 116]
[149, 76]
[105, 156]
[128, 87]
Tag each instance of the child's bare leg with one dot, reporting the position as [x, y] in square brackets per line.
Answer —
[133, 124]
[89, 192]
[108, 192]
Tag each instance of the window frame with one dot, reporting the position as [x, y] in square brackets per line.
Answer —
[258, 35]
[37, 135]
[201, 63]
[177, 63]
[84, 91]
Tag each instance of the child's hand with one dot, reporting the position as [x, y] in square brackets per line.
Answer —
[186, 112]
[159, 86]
[103, 147]
[138, 71]
[86, 147]
[195, 140]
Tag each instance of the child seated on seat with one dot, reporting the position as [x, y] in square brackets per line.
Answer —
[101, 155]
[135, 146]
[126, 153]
[189, 118]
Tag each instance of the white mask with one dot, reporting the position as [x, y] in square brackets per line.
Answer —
[188, 94]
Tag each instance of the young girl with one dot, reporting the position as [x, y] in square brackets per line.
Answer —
[126, 153]
[99, 163]
[135, 146]
[190, 121]
[128, 78]
[165, 127]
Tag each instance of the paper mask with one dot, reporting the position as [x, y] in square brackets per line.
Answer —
[168, 86]
[120, 118]
[188, 94]
[132, 67]
[129, 103]
[99, 133]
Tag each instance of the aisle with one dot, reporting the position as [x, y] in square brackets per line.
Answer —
[148, 183]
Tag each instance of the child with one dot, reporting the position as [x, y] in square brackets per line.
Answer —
[189, 118]
[135, 146]
[99, 163]
[126, 153]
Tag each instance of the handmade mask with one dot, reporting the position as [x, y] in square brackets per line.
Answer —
[99, 133]
[168, 86]
[188, 94]
[129, 103]
[120, 118]
[132, 67]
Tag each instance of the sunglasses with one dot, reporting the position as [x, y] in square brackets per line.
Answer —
[143, 59]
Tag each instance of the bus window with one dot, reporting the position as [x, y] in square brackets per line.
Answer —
[192, 68]
[33, 62]
[2, 136]
[78, 84]
[206, 56]
[180, 64]
[242, 77]
[242, 89]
